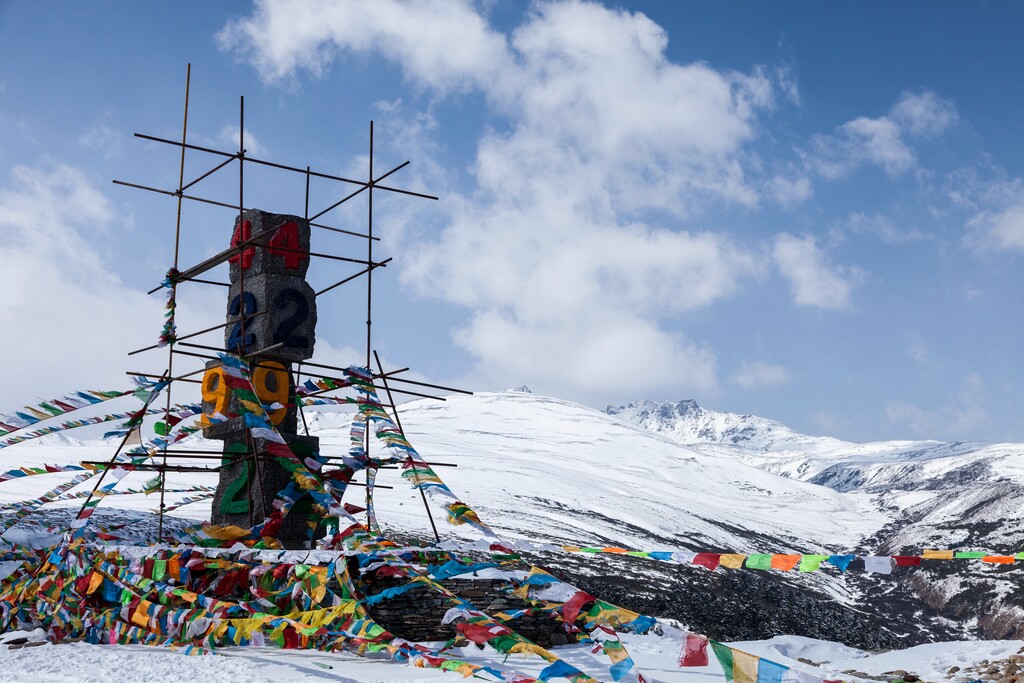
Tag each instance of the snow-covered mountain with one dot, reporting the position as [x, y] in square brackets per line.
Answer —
[967, 495]
[549, 470]
[688, 422]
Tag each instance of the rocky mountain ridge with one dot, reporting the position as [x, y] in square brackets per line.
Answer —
[963, 495]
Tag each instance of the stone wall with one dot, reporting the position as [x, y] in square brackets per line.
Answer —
[416, 614]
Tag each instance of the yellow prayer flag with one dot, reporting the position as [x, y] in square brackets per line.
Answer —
[140, 616]
[732, 560]
[225, 533]
[744, 667]
[532, 649]
[95, 581]
[938, 555]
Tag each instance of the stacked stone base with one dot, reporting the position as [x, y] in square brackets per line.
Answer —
[416, 615]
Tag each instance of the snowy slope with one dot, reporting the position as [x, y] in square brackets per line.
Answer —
[655, 657]
[550, 470]
[940, 495]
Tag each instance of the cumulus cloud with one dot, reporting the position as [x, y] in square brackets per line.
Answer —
[994, 205]
[924, 115]
[228, 138]
[918, 348]
[103, 139]
[554, 253]
[883, 227]
[759, 374]
[68, 320]
[441, 44]
[961, 416]
[885, 141]
[813, 279]
[1000, 229]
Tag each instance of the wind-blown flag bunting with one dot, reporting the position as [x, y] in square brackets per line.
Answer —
[235, 586]
[169, 332]
[879, 564]
[45, 410]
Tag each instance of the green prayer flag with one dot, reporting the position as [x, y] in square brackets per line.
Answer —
[811, 563]
[759, 561]
[51, 409]
[724, 656]
[970, 555]
[159, 570]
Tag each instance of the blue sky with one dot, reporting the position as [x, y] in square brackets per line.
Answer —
[811, 213]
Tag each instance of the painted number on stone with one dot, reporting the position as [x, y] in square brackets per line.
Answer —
[270, 380]
[236, 498]
[215, 391]
[243, 304]
[243, 233]
[285, 243]
[285, 332]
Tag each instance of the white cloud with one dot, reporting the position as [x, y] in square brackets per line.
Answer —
[829, 422]
[960, 418]
[67, 317]
[994, 203]
[759, 374]
[910, 417]
[554, 253]
[883, 227]
[918, 348]
[995, 206]
[441, 44]
[813, 280]
[882, 141]
[789, 191]
[103, 139]
[1000, 229]
[228, 138]
[924, 115]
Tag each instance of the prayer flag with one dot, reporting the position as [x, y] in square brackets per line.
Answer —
[811, 563]
[879, 564]
[759, 561]
[695, 651]
[784, 562]
[770, 672]
[744, 667]
[841, 562]
[724, 656]
[732, 560]
[709, 560]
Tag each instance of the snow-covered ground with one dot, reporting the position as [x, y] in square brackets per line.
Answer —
[656, 657]
[549, 470]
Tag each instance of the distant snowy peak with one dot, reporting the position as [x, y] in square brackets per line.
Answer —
[521, 389]
[688, 422]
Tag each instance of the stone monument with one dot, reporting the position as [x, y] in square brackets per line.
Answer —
[271, 318]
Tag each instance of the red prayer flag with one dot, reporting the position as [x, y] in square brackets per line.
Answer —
[695, 651]
[709, 560]
[571, 609]
[907, 560]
